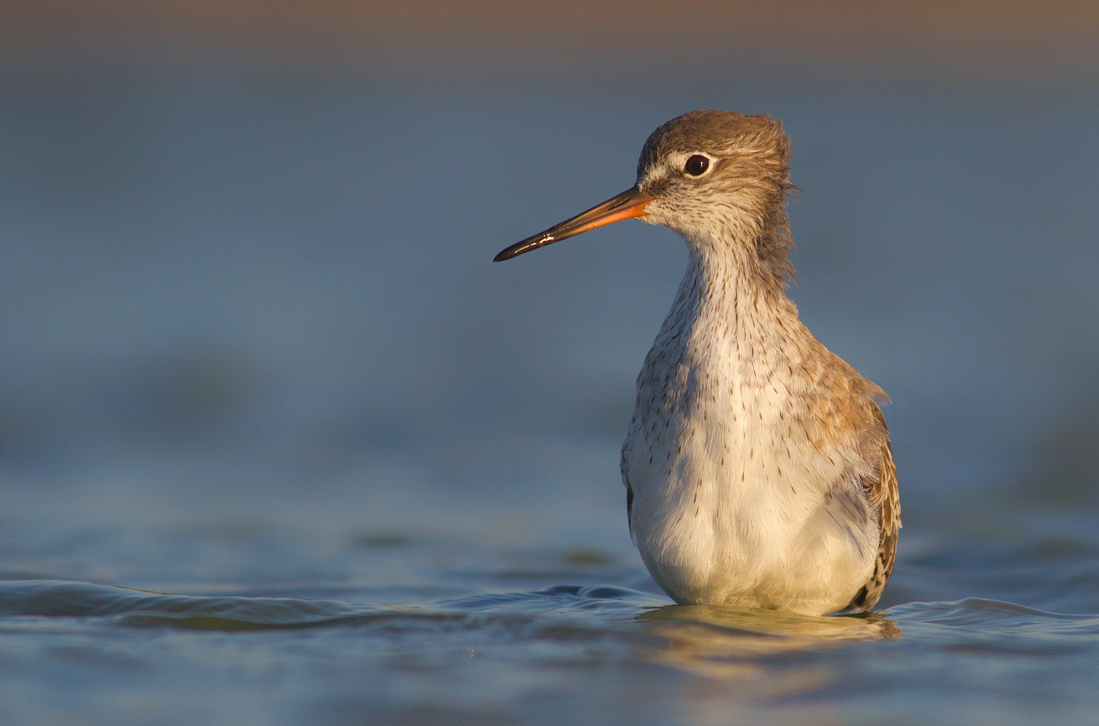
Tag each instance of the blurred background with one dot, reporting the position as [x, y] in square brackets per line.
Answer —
[253, 346]
[245, 256]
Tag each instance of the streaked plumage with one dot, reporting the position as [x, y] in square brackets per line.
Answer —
[757, 465]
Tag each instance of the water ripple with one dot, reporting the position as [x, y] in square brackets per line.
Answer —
[125, 606]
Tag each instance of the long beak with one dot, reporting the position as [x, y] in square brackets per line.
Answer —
[630, 203]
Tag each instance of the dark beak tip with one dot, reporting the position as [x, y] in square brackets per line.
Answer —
[509, 253]
[530, 243]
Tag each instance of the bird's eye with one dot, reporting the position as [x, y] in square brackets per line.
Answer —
[696, 165]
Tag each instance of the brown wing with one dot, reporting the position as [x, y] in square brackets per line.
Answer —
[883, 493]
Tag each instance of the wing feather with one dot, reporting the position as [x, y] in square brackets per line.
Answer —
[884, 495]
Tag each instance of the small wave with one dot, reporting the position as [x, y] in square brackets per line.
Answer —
[59, 599]
[132, 607]
[997, 625]
[561, 597]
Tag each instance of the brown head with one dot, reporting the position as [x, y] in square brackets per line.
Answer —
[718, 178]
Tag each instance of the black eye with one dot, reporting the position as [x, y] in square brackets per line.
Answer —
[696, 165]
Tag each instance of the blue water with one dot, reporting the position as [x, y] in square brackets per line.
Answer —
[279, 444]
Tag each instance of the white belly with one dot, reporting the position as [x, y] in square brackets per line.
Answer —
[743, 510]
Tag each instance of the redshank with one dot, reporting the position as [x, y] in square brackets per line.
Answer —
[757, 466]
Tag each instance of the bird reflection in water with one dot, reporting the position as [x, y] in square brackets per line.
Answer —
[727, 643]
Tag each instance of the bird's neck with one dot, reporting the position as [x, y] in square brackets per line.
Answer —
[732, 289]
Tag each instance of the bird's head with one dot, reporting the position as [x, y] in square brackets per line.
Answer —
[717, 178]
